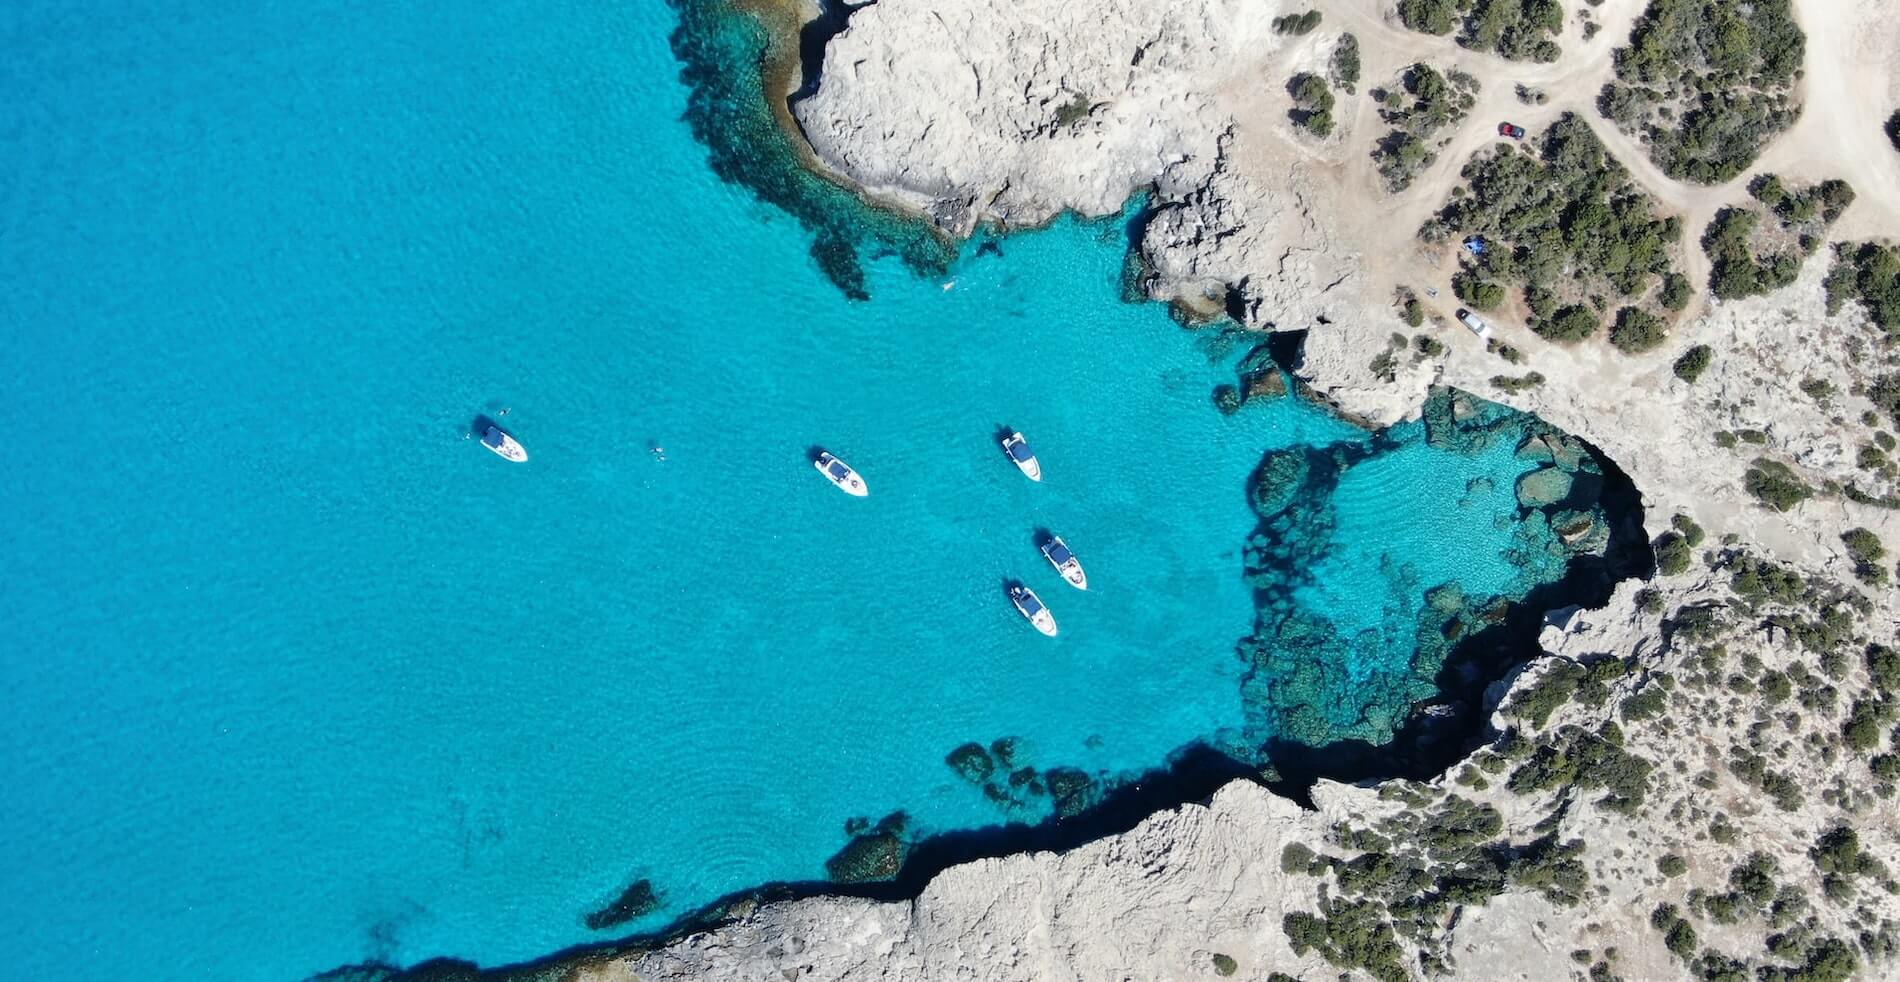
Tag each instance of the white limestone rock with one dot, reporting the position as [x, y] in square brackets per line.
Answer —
[1012, 112]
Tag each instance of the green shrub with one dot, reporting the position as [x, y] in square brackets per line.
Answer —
[1413, 312]
[1637, 331]
[1691, 532]
[1673, 554]
[1424, 103]
[1551, 868]
[1521, 30]
[1694, 362]
[1647, 704]
[1519, 383]
[1553, 690]
[1224, 965]
[1885, 393]
[1677, 291]
[1313, 103]
[1672, 865]
[1348, 934]
[1869, 273]
[1481, 294]
[1773, 484]
[1429, 16]
[1572, 323]
[1345, 61]
[1579, 758]
[1297, 24]
[1838, 851]
[1735, 270]
[1865, 549]
[1865, 724]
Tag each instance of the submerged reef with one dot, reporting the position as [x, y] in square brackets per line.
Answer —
[636, 901]
[739, 62]
[1314, 682]
[875, 852]
[1010, 781]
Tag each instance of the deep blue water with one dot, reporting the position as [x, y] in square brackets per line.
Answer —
[298, 675]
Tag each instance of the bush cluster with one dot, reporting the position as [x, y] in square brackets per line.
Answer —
[1868, 273]
[1582, 759]
[1344, 65]
[1424, 102]
[1297, 24]
[1521, 30]
[1734, 268]
[1774, 484]
[1349, 934]
[1552, 691]
[1673, 554]
[1708, 82]
[1866, 551]
[1885, 393]
[1637, 330]
[1694, 362]
[1313, 104]
[1567, 218]
[1741, 265]
[1518, 383]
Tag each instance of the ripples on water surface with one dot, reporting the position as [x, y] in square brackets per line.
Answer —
[299, 675]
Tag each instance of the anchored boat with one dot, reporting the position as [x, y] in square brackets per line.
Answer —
[504, 445]
[1059, 556]
[1018, 450]
[1030, 606]
[840, 473]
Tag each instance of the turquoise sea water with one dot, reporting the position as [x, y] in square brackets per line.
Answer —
[298, 675]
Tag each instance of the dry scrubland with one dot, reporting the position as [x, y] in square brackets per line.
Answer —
[1685, 265]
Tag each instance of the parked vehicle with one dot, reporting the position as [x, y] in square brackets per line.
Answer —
[1511, 130]
[1476, 323]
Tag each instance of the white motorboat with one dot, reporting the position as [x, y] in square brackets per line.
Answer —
[504, 445]
[1018, 450]
[840, 473]
[1030, 606]
[1059, 556]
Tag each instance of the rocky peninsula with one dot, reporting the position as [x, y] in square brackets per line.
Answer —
[1695, 779]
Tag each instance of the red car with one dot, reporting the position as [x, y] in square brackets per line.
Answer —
[1511, 130]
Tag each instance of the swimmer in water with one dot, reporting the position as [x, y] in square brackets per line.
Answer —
[658, 452]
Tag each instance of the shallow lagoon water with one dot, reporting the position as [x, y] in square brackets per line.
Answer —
[301, 676]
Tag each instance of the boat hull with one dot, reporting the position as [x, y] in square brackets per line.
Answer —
[1027, 463]
[849, 482]
[1070, 569]
[504, 446]
[1038, 618]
